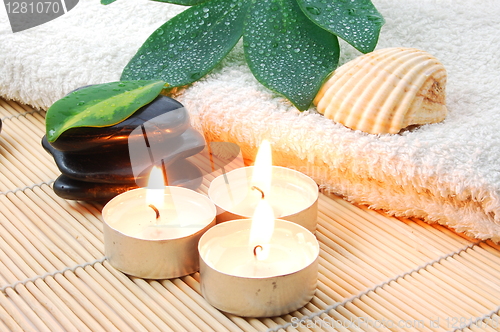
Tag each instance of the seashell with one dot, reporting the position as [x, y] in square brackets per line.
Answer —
[385, 91]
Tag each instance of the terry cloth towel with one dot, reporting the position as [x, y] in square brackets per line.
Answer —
[447, 173]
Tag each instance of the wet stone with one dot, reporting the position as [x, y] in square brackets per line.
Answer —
[181, 173]
[163, 115]
[100, 163]
[72, 189]
[116, 166]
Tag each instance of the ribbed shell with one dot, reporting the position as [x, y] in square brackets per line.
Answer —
[385, 91]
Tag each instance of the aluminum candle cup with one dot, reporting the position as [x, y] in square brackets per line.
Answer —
[293, 196]
[234, 280]
[156, 240]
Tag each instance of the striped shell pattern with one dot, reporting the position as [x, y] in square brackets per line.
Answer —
[385, 91]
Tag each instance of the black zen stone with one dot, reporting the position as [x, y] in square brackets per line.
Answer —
[108, 167]
[116, 166]
[173, 120]
[100, 163]
[181, 173]
[72, 189]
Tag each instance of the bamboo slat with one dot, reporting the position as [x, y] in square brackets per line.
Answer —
[376, 273]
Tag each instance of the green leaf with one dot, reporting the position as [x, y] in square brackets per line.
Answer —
[182, 2]
[356, 21]
[189, 45]
[107, 2]
[286, 52]
[99, 105]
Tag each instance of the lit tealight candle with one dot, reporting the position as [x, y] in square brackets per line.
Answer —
[154, 232]
[292, 195]
[258, 268]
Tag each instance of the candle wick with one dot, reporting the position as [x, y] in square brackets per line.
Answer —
[146, 140]
[255, 249]
[164, 171]
[261, 192]
[155, 210]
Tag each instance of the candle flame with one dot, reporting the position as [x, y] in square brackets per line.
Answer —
[155, 188]
[262, 229]
[262, 172]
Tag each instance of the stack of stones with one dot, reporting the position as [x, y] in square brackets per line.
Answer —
[100, 163]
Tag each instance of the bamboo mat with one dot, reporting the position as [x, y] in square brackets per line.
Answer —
[377, 273]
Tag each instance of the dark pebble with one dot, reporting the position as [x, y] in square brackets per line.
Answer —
[181, 173]
[72, 189]
[116, 166]
[100, 163]
[165, 116]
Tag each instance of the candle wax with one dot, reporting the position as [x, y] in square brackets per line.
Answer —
[179, 217]
[289, 194]
[284, 198]
[230, 253]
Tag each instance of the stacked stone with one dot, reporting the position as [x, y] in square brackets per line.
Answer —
[96, 163]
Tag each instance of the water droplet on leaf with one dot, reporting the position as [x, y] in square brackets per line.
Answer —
[313, 10]
[195, 76]
[375, 19]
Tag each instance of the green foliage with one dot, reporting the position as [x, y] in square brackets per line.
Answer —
[99, 105]
[286, 52]
[290, 45]
[189, 45]
[355, 21]
[183, 2]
